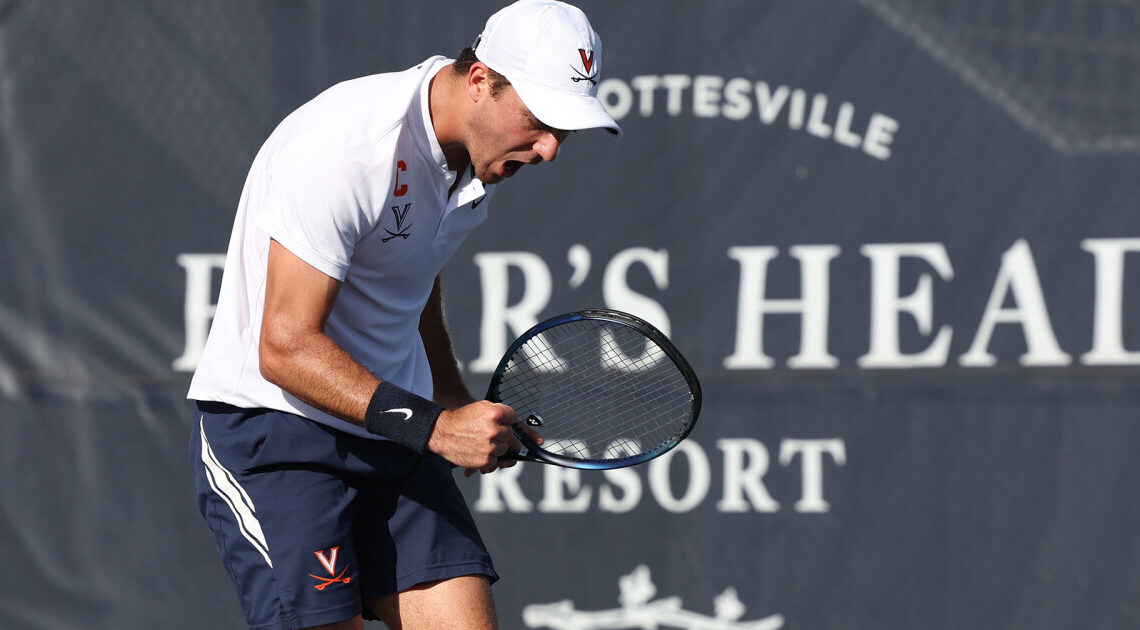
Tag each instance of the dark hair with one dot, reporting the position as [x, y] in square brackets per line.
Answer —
[466, 59]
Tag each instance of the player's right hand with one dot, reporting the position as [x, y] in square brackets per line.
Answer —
[474, 436]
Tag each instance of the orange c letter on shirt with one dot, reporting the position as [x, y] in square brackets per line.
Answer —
[400, 190]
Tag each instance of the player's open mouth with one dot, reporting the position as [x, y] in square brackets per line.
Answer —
[511, 167]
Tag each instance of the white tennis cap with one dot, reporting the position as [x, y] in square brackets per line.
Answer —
[552, 57]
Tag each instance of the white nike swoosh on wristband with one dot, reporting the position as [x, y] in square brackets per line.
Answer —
[404, 410]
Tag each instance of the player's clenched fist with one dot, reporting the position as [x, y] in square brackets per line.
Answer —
[475, 436]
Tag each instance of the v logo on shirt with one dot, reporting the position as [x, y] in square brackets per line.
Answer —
[401, 229]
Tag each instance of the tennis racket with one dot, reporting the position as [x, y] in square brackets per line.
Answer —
[603, 388]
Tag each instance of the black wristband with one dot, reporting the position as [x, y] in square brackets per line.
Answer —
[401, 416]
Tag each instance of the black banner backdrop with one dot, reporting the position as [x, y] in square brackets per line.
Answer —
[897, 239]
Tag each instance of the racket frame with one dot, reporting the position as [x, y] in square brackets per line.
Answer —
[535, 453]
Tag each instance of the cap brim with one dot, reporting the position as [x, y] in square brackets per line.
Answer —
[570, 111]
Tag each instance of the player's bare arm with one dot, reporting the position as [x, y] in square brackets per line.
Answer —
[295, 353]
[450, 390]
[297, 356]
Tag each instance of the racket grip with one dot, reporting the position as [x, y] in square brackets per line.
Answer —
[519, 456]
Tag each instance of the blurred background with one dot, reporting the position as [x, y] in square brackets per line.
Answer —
[898, 239]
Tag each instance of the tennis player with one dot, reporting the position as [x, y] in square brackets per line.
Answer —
[330, 405]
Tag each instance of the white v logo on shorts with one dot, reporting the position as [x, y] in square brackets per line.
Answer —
[329, 563]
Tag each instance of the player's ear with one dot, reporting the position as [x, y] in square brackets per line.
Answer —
[478, 81]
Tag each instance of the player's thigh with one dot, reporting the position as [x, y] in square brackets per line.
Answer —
[461, 603]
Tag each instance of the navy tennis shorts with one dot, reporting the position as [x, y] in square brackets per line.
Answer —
[311, 522]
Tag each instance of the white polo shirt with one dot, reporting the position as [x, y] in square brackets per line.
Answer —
[354, 183]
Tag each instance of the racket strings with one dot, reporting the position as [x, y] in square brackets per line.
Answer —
[600, 391]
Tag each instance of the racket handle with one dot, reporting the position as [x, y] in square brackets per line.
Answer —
[519, 456]
[523, 454]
